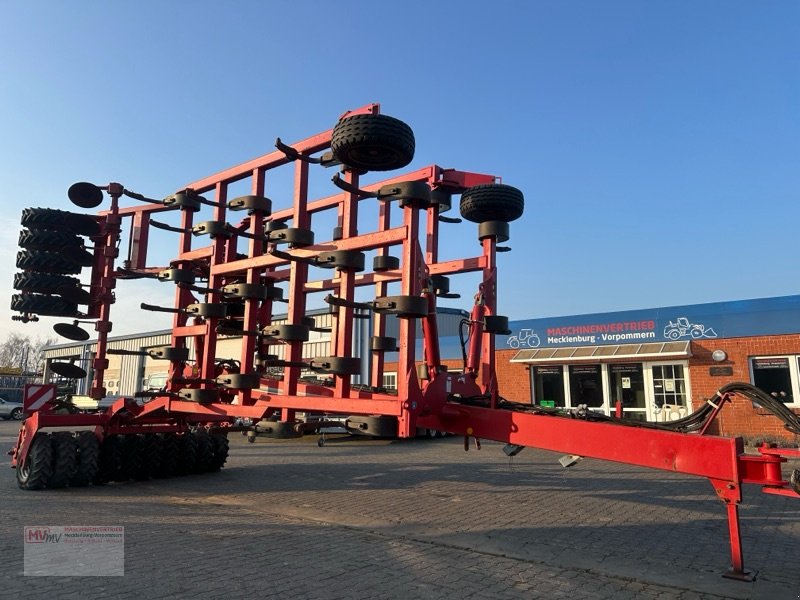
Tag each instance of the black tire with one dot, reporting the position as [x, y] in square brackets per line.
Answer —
[61, 220]
[17, 414]
[131, 457]
[110, 460]
[492, 202]
[47, 262]
[52, 306]
[44, 283]
[205, 451]
[170, 455]
[373, 142]
[221, 449]
[187, 454]
[88, 459]
[151, 457]
[65, 459]
[46, 239]
[35, 472]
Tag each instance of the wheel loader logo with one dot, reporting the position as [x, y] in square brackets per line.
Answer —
[681, 328]
[526, 338]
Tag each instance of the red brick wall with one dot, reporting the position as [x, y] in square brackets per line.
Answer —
[739, 417]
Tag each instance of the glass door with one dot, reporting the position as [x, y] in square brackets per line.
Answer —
[669, 392]
[626, 385]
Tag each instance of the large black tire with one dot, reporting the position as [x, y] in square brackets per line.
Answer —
[45, 239]
[150, 457]
[61, 220]
[65, 459]
[221, 448]
[88, 459]
[131, 463]
[492, 202]
[34, 473]
[52, 306]
[170, 455]
[47, 262]
[204, 460]
[373, 142]
[44, 283]
[187, 454]
[110, 459]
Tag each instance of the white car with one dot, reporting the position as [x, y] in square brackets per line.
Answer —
[10, 410]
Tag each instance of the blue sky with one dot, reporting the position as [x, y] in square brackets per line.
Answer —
[657, 143]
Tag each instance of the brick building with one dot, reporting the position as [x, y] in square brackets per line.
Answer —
[659, 363]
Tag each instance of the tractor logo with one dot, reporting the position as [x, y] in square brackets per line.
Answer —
[526, 339]
[681, 328]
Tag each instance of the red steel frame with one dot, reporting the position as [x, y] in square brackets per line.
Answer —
[418, 403]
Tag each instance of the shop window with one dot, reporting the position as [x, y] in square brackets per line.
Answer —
[669, 385]
[585, 385]
[548, 386]
[773, 375]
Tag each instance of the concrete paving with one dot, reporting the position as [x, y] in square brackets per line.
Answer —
[409, 519]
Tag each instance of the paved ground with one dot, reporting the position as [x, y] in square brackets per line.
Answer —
[418, 519]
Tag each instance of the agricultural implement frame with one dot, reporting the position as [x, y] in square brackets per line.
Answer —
[219, 291]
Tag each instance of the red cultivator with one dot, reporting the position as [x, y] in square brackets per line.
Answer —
[228, 284]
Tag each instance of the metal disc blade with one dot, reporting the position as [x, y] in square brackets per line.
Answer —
[75, 294]
[71, 332]
[68, 370]
[85, 195]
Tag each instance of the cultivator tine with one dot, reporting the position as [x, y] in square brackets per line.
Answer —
[352, 189]
[165, 227]
[336, 301]
[293, 154]
[166, 309]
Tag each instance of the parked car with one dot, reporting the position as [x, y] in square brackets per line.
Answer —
[10, 410]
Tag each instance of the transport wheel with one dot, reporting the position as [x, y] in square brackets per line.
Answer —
[110, 462]
[47, 262]
[35, 472]
[492, 202]
[373, 142]
[169, 456]
[65, 459]
[221, 447]
[16, 414]
[130, 457]
[205, 451]
[52, 306]
[44, 283]
[60, 220]
[149, 453]
[47, 239]
[88, 459]
[373, 426]
[187, 454]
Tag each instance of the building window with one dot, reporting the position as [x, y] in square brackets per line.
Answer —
[390, 381]
[548, 386]
[669, 385]
[586, 385]
[773, 374]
